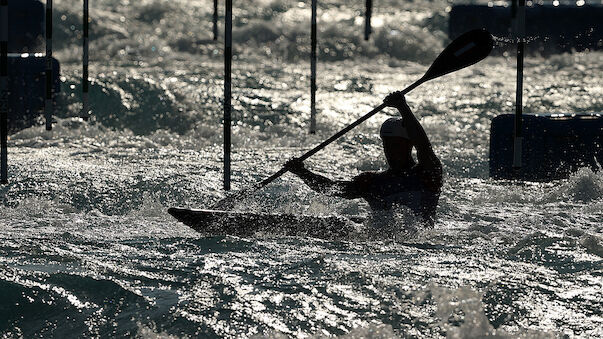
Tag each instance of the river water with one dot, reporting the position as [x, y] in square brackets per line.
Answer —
[88, 249]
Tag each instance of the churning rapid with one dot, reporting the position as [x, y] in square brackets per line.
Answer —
[88, 249]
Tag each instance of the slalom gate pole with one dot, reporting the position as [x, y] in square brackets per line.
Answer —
[48, 102]
[520, 35]
[215, 20]
[313, 71]
[85, 83]
[4, 91]
[227, 92]
[367, 19]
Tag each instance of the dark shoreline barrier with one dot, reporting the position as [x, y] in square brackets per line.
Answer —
[549, 29]
[27, 88]
[554, 145]
[25, 26]
[27, 64]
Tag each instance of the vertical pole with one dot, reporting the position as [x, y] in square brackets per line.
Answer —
[4, 91]
[513, 17]
[85, 110]
[520, 35]
[227, 91]
[367, 19]
[215, 19]
[48, 103]
[313, 72]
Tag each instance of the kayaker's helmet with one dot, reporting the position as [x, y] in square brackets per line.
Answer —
[393, 127]
[396, 144]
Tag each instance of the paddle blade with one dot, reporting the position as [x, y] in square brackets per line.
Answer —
[464, 51]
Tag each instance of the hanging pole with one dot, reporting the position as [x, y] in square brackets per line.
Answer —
[215, 19]
[48, 103]
[513, 17]
[85, 110]
[367, 19]
[227, 91]
[4, 91]
[313, 72]
[520, 35]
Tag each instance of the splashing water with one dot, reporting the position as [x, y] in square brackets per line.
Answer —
[88, 250]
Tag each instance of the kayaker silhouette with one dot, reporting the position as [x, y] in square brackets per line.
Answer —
[416, 185]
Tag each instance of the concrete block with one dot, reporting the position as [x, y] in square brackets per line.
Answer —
[554, 145]
[27, 89]
[550, 29]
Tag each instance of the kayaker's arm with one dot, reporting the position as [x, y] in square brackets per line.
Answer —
[322, 184]
[415, 131]
[425, 154]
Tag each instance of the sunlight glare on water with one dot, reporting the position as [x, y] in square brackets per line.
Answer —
[88, 248]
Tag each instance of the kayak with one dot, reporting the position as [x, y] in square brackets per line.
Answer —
[245, 224]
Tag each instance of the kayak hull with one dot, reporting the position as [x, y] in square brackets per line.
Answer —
[214, 222]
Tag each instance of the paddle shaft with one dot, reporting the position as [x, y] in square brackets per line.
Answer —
[338, 135]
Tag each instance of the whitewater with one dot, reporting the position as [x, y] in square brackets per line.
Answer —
[88, 250]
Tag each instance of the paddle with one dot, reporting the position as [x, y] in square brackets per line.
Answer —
[464, 51]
